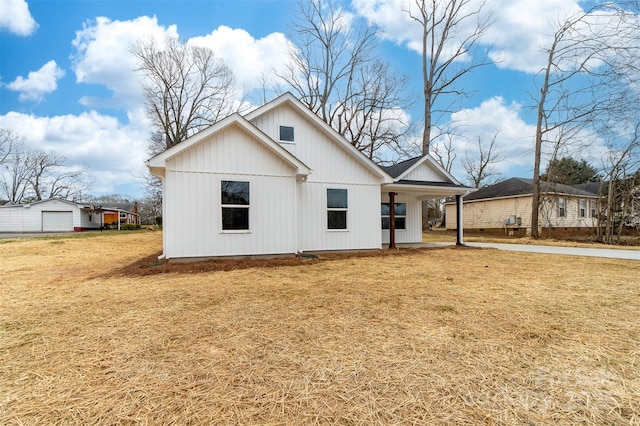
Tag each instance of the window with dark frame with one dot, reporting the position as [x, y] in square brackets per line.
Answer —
[235, 205]
[400, 210]
[337, 207]
[286, 134]
[562, 209]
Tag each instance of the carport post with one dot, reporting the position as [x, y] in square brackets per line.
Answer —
[459, 222]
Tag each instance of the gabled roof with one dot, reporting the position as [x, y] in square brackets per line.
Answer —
[72, 203]
[401, 167]
[401, 170]
[288, 98]
[121, 207]
[157, 163]
[515, 187]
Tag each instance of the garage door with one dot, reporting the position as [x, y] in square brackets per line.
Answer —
[57, 221]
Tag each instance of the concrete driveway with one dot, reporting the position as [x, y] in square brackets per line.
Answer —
[571, 251]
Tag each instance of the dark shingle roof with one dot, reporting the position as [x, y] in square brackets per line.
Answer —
[519, 186]
[398, 169]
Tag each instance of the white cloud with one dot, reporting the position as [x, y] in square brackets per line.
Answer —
[250, 59]
[104, 57]
[521, 29]
[15, 17]
[113, 152]
[38, 83]
[514, 139]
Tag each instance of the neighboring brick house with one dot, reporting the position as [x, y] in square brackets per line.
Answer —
[505, 208]
[121, 213]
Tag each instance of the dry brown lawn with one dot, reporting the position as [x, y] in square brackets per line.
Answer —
[95, 331]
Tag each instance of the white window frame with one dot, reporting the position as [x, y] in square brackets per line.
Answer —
[582, 208]
[593, 208]
[562, 207]
[293, 134]
[337, 209]
[235, 206]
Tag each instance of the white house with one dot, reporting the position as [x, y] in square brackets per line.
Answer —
[279, 180]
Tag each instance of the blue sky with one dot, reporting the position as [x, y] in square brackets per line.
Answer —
[67, 80]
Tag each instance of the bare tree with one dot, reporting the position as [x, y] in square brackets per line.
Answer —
[186, 87]
[449, 52]
[444, 153]
[17, 171]
[577, 83]
[480, 169]
[622, 169]
[50, 177]
[33, 175]
[335, 72]
[8, 142]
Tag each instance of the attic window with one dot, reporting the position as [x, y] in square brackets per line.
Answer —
[286, 134]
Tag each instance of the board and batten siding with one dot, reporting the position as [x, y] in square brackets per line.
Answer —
[334, 167]
[362, 225]
[413, 225]
[313, 146]
[192, 198]
[424, 173]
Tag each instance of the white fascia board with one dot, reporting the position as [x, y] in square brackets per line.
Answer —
[157, 163]
[71, 203]
[427, 190]
[159, 160]
[331, 132]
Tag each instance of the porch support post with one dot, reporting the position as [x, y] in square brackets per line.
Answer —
[392, 220]
[459, 221]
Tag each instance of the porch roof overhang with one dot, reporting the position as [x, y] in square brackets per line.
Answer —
[425, 190]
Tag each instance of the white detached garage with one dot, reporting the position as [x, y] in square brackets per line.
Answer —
[52, 215]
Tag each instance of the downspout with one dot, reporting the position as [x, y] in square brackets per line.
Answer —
[164, 217]
[296, 220]
[459, 221]
[392, 220]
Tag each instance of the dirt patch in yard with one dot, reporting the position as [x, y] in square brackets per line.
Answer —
[150, 265]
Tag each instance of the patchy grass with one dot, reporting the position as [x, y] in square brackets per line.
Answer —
[447, 336]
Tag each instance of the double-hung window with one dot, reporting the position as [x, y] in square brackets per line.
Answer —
[337, 207]
[592, 208]
[562, 207]
[400, 210]
[582, 208]
[235, 205]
